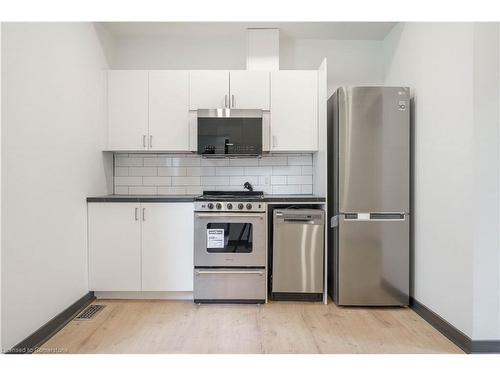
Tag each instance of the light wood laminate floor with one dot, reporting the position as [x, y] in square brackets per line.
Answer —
[154, 326]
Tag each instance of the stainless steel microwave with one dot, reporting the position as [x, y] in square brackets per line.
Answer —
[229, 132]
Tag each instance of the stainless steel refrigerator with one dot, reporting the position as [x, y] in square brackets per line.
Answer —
[369, 196]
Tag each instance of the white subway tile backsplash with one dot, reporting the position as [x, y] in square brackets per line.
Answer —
[307, 170]
[218, 180]
[157, 162]
[265, 180]
[121, 190]
[273, 160]
[146, 190]
[186, 162]
[261, 171]
[240, 180]
[215, 162]
[306, 189]
[229, 171]
[147, 173]
[184, 181]
[287, 171]
[197, 190]
[251, 162]
[286, 189]
[143, 171]
[200, 171]
[121, 171]
[125, 161]
[157, 181]
[300, 160]
[299, 180]
[172, 190]
[131, 181]
[278, 180]
[171, 171]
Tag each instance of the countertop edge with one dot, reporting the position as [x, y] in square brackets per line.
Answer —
[189, 198]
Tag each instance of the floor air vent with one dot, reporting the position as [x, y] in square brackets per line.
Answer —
[90, 312]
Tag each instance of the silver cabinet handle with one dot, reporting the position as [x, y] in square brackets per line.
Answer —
[230, 272]
[136, 213]
[143, 214]
[232, 101]
[150, 141]
[225, 101]
[275, 140]
[144, 141]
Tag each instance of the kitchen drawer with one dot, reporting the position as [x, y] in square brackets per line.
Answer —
[230, 285]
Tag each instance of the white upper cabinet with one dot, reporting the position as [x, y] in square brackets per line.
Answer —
[208, 89]
[168, 110]
[294, 110]
[127, 109]
[167, 246]
[249, 89]
[114, 235]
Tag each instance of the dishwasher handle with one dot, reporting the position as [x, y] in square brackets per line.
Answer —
[308, 218]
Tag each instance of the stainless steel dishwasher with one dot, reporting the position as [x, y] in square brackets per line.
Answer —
[298, 254]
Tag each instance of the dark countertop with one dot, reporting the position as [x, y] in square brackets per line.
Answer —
[142, 198]
[305, 198]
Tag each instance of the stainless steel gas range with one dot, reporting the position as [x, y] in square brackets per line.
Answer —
[230, 247]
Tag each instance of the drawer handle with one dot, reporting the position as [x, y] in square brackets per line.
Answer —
[230, 272]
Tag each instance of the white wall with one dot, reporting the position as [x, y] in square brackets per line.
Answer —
[53, 134]
[486, 302]
[436, 61]
[452, 69]
[349, 61]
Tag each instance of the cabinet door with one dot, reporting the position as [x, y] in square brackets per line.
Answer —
[169, 110]
[127, 109]
[249, 89]
[208, 89]
[114, 247]
[167, 246]
[294, 110]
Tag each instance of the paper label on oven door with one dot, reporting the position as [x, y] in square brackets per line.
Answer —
[215, 238]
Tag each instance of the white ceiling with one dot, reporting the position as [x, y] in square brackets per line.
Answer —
[295, 30]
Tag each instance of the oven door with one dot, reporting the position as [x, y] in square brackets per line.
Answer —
[229, 239]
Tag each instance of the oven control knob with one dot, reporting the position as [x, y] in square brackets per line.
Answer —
[240, 206]
[219, 206]
[249, 206]
[229, 206]
[210, 206]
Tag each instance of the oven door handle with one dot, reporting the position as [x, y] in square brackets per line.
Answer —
[245, 272]
[231, 214]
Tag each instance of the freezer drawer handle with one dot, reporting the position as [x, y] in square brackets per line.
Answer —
[375, 216]
[387, 216]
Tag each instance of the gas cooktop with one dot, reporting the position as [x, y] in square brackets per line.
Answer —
[230, 201]
[214, 195]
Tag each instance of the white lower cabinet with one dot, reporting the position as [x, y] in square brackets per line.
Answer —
[140, 246]
[167, 247]
[114, 247]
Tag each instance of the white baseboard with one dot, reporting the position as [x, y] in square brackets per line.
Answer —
[145, 295]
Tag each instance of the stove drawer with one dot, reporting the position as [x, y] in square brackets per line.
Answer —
[230, 285]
